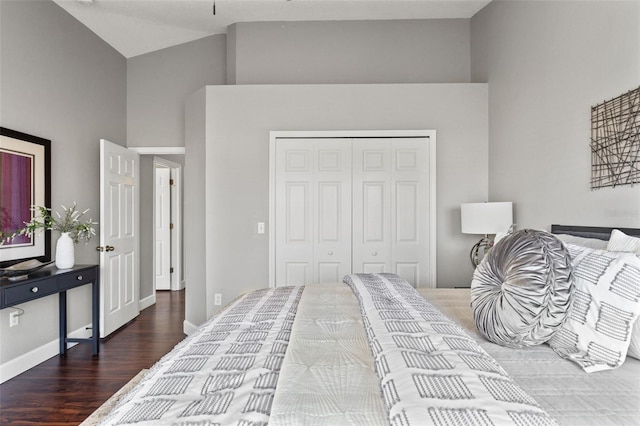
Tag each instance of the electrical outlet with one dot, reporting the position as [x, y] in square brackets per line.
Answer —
[14, 319]
[217, 299]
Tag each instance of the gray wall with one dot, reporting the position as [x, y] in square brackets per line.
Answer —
[235, 168]
[420, 51]
[231, 54]
[195, 167]
[547, 63]
[59, 81]
[158, 83]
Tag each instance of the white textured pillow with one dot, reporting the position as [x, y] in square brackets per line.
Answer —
[622, 242]
[619, 241]
[582, 241]
[606, 303]
[634, 345]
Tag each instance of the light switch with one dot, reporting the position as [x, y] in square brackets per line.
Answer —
[260, 227]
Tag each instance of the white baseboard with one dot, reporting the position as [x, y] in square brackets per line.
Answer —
[188, 328]
[19, 365]
[147, 301]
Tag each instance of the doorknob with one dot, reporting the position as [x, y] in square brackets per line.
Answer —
[330, 253]
[100, 248]
[374, 253]
[109, 248]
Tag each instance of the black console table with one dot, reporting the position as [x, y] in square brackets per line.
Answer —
[49, 281]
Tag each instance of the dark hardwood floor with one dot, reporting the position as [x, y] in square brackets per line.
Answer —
[65, 390]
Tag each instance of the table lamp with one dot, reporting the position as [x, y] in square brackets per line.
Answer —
[485, 219]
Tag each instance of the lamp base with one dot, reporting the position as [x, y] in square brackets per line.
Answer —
[481, 246]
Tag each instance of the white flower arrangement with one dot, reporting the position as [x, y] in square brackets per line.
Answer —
[69, 221]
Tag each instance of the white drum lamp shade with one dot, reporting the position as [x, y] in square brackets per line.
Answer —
[486, 218]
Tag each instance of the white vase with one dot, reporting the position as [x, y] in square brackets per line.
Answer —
[65, 252]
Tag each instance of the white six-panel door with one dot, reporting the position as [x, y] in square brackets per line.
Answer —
[410, 174]
[313, 224]
[346, 205]
[162, 223]
[332, 229]
[390, 207]
[371, 205]
[119, 235]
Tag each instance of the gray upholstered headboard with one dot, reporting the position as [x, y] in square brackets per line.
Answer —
[591, 231]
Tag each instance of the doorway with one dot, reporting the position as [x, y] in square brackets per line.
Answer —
[167, 225]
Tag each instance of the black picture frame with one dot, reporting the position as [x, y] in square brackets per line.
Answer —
[39, 149]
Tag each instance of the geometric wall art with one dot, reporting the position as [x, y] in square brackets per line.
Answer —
[615, 141]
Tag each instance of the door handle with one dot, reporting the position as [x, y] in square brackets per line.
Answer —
[100, 248]
[109, 248]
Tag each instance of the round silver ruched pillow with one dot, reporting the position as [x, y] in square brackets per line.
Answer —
[521, 291]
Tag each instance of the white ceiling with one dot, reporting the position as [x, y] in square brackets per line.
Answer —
[135, 27]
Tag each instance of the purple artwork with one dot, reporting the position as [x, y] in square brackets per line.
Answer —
[16, 193]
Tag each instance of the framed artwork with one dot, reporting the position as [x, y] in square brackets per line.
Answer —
[615, 141]
[25, 181]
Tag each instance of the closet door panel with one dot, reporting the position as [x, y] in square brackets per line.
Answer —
[374, 268]
[333, 231]
[313, 205]
[330, 272]
[297, 212]
[329, 212]
[294, 223]
[298, 159]
[374, 157]
[407, 214]
[332, 210]
[296, 273]
[371, 205]
[409, 271]
[410, 215]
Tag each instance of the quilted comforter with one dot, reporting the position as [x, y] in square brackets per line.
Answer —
[374, 352]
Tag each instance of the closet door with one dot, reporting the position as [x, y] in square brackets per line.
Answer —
[391, 207]
[410, 209]
[332, 221]
[313, 210]
[294, 219]
[371, 205]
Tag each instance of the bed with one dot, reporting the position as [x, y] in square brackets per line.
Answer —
[372, 351]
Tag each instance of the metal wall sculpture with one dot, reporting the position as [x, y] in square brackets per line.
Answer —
[615, 141]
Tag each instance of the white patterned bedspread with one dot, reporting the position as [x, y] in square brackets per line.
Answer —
[431, 372]
[561, 387]
[225, 373]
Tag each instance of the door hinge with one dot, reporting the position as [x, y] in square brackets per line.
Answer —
[171, 226]
[170, 181]
[171, 270]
